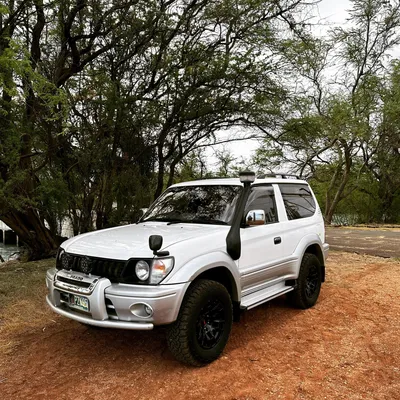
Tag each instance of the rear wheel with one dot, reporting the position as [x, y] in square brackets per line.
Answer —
[308, 284]
[202, 329]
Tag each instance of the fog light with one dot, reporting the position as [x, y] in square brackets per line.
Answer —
[141, 310]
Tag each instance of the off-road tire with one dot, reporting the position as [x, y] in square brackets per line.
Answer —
[182, 337]
[310, 271]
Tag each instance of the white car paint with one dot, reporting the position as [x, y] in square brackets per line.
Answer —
[125, 242]
[196, 248]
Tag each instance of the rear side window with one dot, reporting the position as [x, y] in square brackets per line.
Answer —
[262, 198]
[299, 202]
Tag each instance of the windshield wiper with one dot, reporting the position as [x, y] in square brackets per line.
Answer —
[187, 221]
[207, 221]
[158, 220]
[198, 221]
[168, 220]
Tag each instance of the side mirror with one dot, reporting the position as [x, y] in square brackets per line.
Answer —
[255, 217]
[155, 244]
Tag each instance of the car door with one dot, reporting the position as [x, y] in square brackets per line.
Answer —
[300, 219]
[261, 250]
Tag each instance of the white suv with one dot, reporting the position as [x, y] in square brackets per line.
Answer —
[203, 252]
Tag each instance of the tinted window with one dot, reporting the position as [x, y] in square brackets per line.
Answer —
[298, 200]
[262, 198]
[198, 204]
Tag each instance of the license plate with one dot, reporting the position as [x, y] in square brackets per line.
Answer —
[80, 302]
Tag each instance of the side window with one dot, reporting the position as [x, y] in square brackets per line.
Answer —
[263, 198]
[298, 200]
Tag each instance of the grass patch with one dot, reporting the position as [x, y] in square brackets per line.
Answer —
[22, 300]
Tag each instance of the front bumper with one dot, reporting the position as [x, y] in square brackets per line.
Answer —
[103, 323]
[112, 305]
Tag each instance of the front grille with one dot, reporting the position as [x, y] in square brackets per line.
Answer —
[73, 282]
[111, 269]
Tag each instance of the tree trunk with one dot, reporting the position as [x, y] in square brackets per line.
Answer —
[161, 172]
[86, 219]
[27, 224]
[332, 205]
[33, 233]
[328, 196]
[171, 174]
[387, 195]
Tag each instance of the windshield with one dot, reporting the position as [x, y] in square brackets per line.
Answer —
[213, 204]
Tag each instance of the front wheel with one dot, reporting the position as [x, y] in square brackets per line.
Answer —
[306, 293]
[202, 329]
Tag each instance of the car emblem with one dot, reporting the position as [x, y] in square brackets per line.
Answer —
[86, 265]
[75, 277]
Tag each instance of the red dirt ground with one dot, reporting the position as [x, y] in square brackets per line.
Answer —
[346, 347]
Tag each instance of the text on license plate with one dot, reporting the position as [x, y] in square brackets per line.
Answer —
[80, 302]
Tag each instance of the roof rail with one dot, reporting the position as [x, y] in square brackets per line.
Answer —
[281, 175]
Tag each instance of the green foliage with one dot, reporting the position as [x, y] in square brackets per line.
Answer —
[342, 124]
[361, 204]
[104, 104]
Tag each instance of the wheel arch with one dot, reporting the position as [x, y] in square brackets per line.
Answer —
[316, 249]
[217, 266]
[223, 276]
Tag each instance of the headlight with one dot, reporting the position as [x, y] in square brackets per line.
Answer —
[160, 269]
[142, 270]
[150, 271]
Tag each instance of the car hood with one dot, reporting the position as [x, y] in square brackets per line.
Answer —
[124, 242]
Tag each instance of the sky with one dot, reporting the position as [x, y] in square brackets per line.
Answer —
[334, 11]
[331, 13]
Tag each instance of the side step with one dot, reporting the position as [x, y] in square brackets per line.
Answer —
[261, 296]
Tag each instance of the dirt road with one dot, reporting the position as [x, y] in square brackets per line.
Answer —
[373, 241]
[346, 347]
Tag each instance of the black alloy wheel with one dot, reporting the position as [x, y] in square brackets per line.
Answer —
[210, 324]
[308, 284]
[204, 322]
[312, 281]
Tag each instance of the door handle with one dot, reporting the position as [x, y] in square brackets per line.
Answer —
[277, 240]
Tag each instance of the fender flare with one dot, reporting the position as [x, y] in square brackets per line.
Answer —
[198, 265]
[304, 244]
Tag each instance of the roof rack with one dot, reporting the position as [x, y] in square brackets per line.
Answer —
[280, 175]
